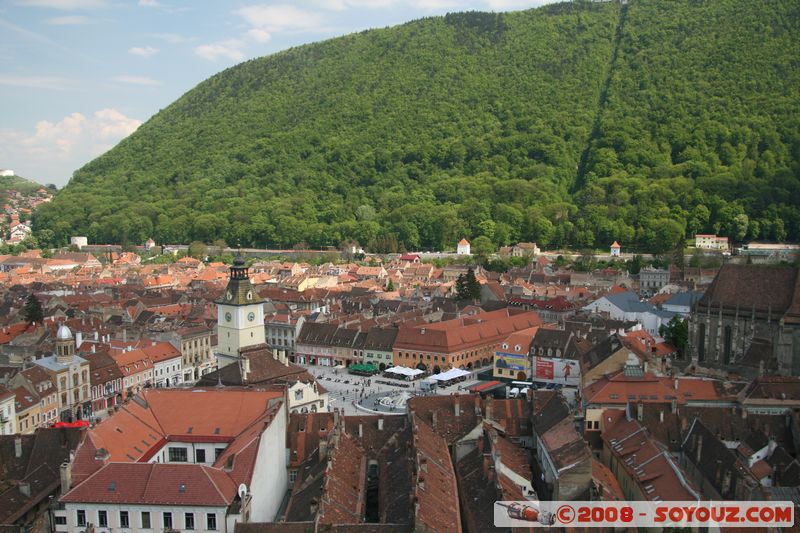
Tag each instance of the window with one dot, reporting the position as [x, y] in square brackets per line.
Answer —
[178, 455]
[199, 456]
[167, 520]
[218, 452]
[81, 518]
[124, 522]
[188, 520]
[211, 522]
[102, 518]
[61, 520]
[145, 520]
[292, 475]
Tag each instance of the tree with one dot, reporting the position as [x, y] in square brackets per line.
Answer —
[198, 250]
[32, 312]
[468, 287]
[390, 286]
[676, 333]
[483, 246]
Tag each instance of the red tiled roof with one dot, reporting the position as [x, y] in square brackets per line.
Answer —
[156, 484]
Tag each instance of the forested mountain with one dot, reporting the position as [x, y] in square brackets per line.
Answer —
[572, 124]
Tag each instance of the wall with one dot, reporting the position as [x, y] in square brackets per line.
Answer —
[270, 479]
[134, 513]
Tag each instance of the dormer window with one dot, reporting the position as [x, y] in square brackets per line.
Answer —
[505, 346]
[517, 348]
[249, 295]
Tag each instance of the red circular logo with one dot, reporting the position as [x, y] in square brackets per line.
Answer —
[565, 514]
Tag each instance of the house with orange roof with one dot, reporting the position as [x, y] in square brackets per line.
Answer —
[463, 247]
[137, 370]
[218, 460]
[167, 364]
[467, 342]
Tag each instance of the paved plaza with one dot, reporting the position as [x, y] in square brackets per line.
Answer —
[346, 390]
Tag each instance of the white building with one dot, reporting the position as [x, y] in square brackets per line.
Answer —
[627, 306]
[80, 242]
[463, 247]
[218, 460]
[616, 249]
[710, 242]
[7, 172]
[8, 411]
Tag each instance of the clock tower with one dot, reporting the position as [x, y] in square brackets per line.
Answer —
[240, 315]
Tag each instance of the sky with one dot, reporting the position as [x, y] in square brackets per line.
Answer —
[77, 76]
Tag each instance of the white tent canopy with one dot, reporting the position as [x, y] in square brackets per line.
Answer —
[403, 371]
[453, 373]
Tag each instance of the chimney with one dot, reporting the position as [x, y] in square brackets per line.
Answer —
[661, 416]
[323, 447]
[433, 419]
[93, 347]
[96, 336]
[744, 414]
[25, 488]
[65, 471]
[78, 339]
[676, 383]
[639, 411]
[18, 447]
[313, 506]
[380, 424]
[360, 430]
[489, 409]
[674, 405]
[457, 407]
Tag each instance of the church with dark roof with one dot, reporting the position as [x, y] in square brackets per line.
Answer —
[748, 322]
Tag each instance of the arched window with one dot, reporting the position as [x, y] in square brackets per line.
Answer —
[727, 343]
[701, 342]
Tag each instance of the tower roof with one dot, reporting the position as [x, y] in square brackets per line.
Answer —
[240, 290]
[64, 333]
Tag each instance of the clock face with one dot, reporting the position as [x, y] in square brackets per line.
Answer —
[251, 316]
[227, 317]
[229, 295]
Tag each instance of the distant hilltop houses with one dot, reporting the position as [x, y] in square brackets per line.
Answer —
[7, 172]
[17, 209]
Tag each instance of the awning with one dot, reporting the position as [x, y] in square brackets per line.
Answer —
[453, 373]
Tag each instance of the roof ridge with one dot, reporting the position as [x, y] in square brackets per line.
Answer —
[205, 469]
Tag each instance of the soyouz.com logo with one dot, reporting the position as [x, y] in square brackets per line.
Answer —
[644, 514]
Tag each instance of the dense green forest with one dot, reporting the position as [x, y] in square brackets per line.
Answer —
[574, 124]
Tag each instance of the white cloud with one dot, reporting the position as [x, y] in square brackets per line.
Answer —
[258, 35]
[113, 125]
[55, 148]
[149, 3]
[232, 49]
[136, 80]
[143, 51]
[37, 82]
[69, 20]
[63, 4]
[281, 18]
